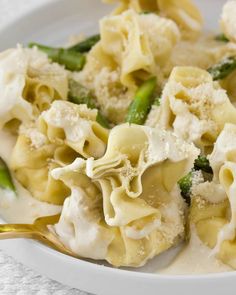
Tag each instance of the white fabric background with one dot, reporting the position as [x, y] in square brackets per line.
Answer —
[16, 279]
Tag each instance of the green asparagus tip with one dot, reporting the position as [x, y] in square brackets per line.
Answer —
[72, 60]
[223, 68]
[141, 105]
[146, 12]
[79, 94]
[86, 45]
[221, 38]
[102, 120]
[6, 181]
[185, 185]
[202, 163]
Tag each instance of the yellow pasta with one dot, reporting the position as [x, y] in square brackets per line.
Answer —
[195, 107]
[228, 20]
[215, 219]
[184, 13]
[130, 192]
[75, 126]
[29, 85]
[51, 144]
[132, 187]
[129, 52]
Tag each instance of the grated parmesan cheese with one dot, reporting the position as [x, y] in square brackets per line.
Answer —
[209, 191]
[37, 138]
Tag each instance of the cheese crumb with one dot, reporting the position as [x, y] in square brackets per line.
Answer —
[37, 138]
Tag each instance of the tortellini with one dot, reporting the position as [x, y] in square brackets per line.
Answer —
[126, 200]
[129, 52]
[195, 107]
[214, 216]
[29, 85]
[183, 12]
[63, 133]
[75, 126]
[228, 24]
[228, 84]
[123, 38]
[121, 188]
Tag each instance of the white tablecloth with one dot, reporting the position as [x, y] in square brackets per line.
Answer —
[16, 279]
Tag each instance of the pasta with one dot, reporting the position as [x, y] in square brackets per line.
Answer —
[127, 178]
[191, 99]
[184, 13]
[228, 20]
[131, 133]
[214, 215]
[60, 135]
[125, 55]
[30, 85]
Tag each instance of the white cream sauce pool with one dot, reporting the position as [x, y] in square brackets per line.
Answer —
[194, 258]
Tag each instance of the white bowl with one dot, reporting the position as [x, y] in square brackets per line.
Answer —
[52, 24]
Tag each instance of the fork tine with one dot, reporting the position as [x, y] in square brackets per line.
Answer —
[48, 220]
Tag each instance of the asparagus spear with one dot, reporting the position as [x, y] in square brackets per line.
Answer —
[79, 94]
[185, 185]
[222, 38]
[223, 69]
[85, 45]
[142, 103]
[72, 60]
[5, 177]
[202, 163]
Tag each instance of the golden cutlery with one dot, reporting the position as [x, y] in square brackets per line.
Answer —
[37, 231]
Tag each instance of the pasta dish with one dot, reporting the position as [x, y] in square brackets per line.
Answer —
[129, 135]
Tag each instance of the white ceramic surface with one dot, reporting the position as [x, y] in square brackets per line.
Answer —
[52, 24]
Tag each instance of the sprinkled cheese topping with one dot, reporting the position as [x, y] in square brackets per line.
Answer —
[37, 138]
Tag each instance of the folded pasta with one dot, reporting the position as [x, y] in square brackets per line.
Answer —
[29, 85]
[195, 107]
[184, 13]
[228, 20]
[61, 134]
[129, 51]
[213, 206]
[128, 198]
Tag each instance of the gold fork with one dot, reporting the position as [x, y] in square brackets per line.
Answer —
[37, 231]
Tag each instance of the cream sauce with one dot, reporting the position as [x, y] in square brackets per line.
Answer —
[195, 258]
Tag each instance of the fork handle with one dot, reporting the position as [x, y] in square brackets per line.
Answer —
[13, 231]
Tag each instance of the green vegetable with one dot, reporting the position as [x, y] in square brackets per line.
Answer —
[102, 120]
[146, 12]
[222, 38]
[5, 177]
[157, 101]
[185, 185]
[85, 45]
[72, 60]
[142, 102]
[79, 94]
[223, 69]
[202, 163]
